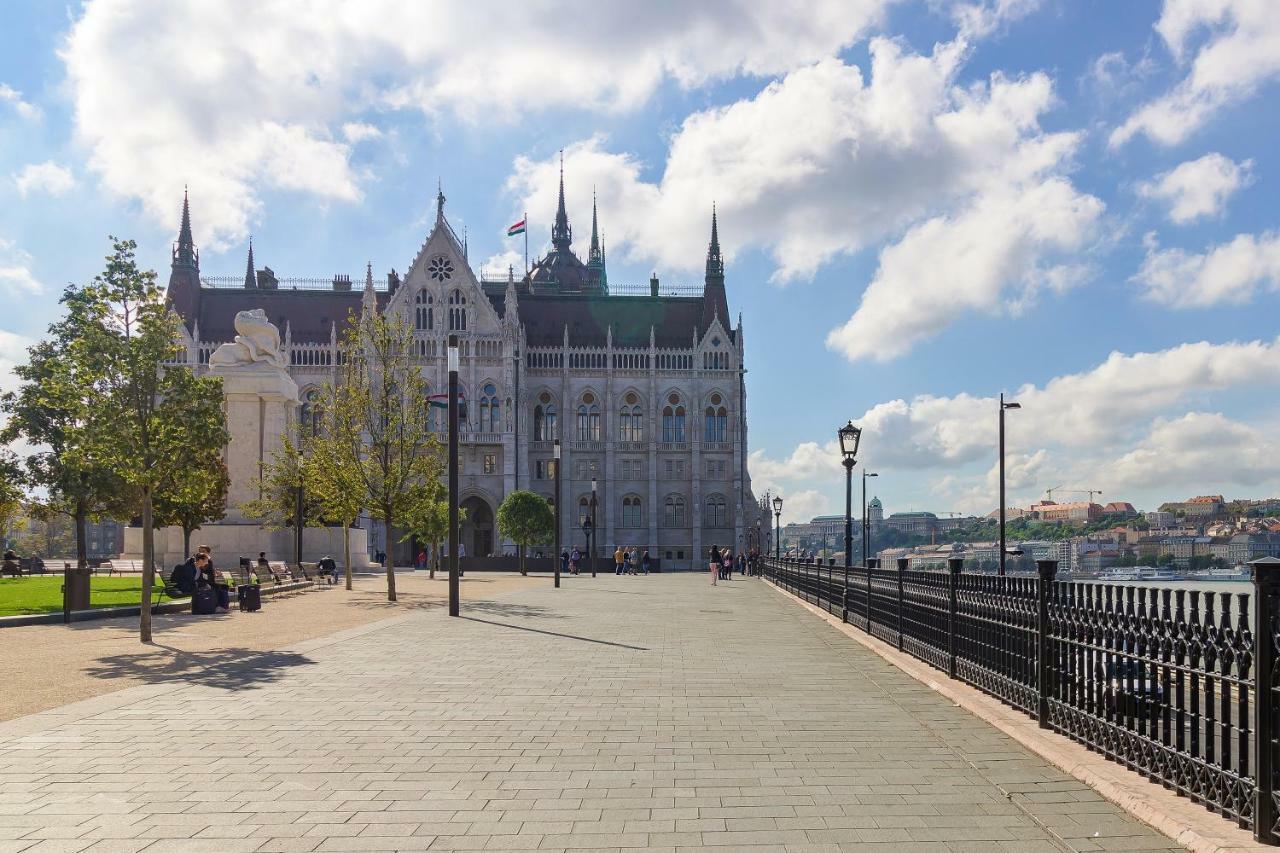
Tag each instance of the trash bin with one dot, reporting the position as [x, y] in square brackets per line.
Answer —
[75, 588]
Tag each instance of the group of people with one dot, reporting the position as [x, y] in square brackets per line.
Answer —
[723, 564]
[198, 571]
[626, 561]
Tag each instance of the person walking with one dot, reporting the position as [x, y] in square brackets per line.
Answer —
[633, 561]
[644, 561]
[618, 559]
[715, 564]
[575, 561]
[727, 561]
[564, 561]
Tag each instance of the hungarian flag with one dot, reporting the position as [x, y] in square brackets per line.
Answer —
[516, 228]
[441, 401]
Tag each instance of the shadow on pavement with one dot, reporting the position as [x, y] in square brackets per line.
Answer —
[557, 634]
[229, 669]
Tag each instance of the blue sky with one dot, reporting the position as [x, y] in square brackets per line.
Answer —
[924, 203]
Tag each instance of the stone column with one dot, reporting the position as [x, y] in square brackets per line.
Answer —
[261, 404]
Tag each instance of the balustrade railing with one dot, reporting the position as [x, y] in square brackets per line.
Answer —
[1170, 683]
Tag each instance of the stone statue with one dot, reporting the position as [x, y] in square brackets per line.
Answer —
[258, 342]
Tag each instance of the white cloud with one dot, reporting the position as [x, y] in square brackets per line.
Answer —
[13, 351]
[47, 177]
[233, 110]
[1240, 53]
[10, 95]
[1198, 188]
[1230, 273]
[976, 20]
[912, 148]
[16, 277]
[1121, 426]
[356, 132]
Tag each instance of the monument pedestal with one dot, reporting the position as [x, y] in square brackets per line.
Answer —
[261, 406]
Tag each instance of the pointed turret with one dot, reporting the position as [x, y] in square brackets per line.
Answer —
[250, 277]
[510, 301]
[715, 302]
[369, 300]
[595, 256]
[561, 233]
[184, 275]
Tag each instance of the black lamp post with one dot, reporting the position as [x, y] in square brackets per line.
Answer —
[849, 436]
[591, 545]
[866, 525]
[777, 538]
[759, 545]
[1003, 407]
[453, 475]
[556, 449]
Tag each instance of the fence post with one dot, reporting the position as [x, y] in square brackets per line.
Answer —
[903, 563]
[872, 563]
[954, 566]
[1048, 570]
[1266, 584]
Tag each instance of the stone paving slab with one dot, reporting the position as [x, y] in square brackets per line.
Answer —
[613, 714]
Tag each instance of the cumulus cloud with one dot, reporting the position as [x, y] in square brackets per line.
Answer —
[13, 351]
[1109, 427]
[1240, 53]
[11, 96]
[47, 177]
[910, 147]
[233, 110]
[1198, 188]
[1229, 273]
[16, 277]
[976, 20]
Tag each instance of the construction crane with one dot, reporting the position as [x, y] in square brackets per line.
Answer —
[1090, 492]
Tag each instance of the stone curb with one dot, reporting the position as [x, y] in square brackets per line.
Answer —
[1187, 823]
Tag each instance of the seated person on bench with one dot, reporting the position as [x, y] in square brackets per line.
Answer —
[328, 568]
[206, 574]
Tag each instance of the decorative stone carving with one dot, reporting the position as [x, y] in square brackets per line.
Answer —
[257, 342]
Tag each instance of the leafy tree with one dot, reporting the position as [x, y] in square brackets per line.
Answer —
[276, 506]
[48, 533]
[526, 519]
[1164, 560]
[159, 415]
[428, 517]
[195, 498]
[378, 422]
[53, 409]
[331, 480]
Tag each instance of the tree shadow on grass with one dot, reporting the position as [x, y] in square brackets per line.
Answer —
[230, 668]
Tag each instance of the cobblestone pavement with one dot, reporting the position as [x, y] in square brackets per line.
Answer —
[635, 712]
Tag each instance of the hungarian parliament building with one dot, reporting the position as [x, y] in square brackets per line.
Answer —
[643, 386]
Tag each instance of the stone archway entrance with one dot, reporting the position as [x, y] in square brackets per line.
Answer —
[477, 532]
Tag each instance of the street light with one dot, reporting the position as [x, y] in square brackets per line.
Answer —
[592, 543]
[1003, 407]
[759, 544]
[556, 451]
[777, 539]
[453, 474]
[866, 524]
[850, 436]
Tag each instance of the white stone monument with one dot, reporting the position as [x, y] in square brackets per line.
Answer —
[261, 403]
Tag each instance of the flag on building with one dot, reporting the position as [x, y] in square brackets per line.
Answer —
[516, 228]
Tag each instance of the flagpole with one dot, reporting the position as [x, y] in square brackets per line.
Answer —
[526, 249]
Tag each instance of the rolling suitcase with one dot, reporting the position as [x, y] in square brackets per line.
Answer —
[250, 598]
[204, 601]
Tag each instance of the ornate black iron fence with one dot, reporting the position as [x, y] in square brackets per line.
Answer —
[1170, 683]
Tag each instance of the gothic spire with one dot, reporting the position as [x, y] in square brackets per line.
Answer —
[595, 230]
[595, 257]
[369, 299]
[715, 261]
[184, 253]
[561, 234]
[250, 277]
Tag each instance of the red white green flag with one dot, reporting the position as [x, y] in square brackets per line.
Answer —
[516, 228]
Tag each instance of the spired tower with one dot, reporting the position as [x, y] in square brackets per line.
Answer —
[875, 513]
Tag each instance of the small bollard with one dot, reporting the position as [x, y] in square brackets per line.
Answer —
[903, 563]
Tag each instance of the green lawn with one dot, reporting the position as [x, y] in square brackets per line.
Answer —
[43, 593]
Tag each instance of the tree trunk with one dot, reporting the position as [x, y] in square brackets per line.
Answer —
[522, 569]
[186, 541]
[148, 567]
[435, 560]
[82, 546]
[346, 551]
[391, 560]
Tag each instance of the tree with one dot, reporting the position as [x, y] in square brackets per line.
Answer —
[377, 419]
[158, 415]
[428, 517]
[195, 498]
[331, 479]
[526, 519]
[11, 496]
[53, 410]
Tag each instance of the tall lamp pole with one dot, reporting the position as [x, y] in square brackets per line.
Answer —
[777, 538]
[453, 475]
[759, 545]
[866, 525]
[592, 544]
[1003, 406]
[849, 436]
[556, 448]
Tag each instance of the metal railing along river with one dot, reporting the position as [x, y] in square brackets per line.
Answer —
[1171, 683]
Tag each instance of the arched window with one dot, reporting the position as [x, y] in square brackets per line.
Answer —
[490, 411]
[544, 419]
[715, 424]
[424, 313]
[588, 418]
[716, 512]
[631, 514]
[457, 312]
[673, 421]
[312, 416]
[673, 511]
[631, 419]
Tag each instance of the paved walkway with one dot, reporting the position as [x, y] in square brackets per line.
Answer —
[618, 713]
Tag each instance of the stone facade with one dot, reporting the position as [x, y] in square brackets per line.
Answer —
[645, 390]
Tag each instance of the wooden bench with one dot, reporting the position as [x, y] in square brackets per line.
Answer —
[121, 567]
